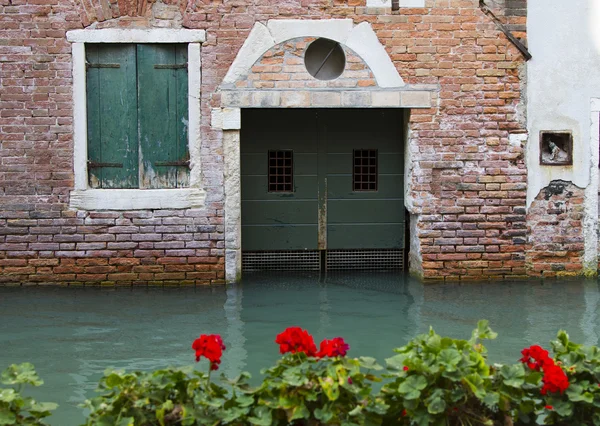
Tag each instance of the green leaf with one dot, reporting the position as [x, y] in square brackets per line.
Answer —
[491, 400]
[18, 374]
[449, 358]
[563, 408]
[369, 363]
[324, 415]
[331, 388]
[7, 418]
[396, 362]
[126, 421]
[43, 407]
[413, 385]
[299, 412]
[436, 406]
[7, 395]
[482, 332]
[513, 375]
[262, 416]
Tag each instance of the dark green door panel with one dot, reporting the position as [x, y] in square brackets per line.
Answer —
[364, 219]
[364, 211]
[279, 220]
[112, 116]
[256, 189]
[297, 212]
[163, 115]
[284, 237]
[365, 236]
[323, 142]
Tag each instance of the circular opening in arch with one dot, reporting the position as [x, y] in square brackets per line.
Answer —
[324, 59]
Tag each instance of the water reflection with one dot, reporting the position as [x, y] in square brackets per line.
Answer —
[72, 334]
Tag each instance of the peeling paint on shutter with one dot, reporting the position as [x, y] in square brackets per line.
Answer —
[112, 116]
[163, 115]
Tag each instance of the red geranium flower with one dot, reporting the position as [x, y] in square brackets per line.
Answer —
[535, 357]
[211, 347]
[555, 379]
[294, 340]
[333, 347]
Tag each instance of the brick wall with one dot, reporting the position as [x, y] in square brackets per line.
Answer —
[556, 231]
[468, 182]
[282, 67]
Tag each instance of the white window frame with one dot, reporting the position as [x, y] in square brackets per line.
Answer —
[85, 198]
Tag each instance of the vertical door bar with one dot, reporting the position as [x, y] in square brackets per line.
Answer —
[322, 178]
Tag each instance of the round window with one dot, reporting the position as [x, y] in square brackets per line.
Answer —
[324, 59]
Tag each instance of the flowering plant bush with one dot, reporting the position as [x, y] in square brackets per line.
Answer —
[433, 380]
[437, 380]
[321, 387]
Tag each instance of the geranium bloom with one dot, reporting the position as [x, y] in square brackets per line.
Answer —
[211, 347]
[333, 347]
[294, 340]
[537, 354]
[555, 379]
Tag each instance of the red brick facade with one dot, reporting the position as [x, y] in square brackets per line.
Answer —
[468, 180]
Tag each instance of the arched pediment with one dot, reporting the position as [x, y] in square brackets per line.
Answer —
[360, 39]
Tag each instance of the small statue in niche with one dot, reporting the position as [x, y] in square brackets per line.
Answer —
[555, 148]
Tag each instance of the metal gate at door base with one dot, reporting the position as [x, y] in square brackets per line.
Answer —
[317, 260]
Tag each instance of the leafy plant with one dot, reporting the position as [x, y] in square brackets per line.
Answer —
[329, 391]
[579, 403]
[16, 409]
[442, 381]
[173, 396]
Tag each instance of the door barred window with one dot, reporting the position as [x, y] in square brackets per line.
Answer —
[281, 171]
[364, 176]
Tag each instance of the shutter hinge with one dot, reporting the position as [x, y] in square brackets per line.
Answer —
[180, 163]
[89, 65]
[96, 164]
[170, 66]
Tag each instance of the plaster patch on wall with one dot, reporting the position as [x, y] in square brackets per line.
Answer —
[590, 224]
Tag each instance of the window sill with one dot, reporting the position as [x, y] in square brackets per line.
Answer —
[137, 199]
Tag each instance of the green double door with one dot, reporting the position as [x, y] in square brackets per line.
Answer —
[322, 179]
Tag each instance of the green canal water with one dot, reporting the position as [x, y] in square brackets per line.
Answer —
[72, 335]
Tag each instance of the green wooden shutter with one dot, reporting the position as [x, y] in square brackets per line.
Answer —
[112, 116]
[163, 115]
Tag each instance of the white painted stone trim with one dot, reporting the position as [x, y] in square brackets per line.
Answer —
[286, 29]
[360, 38]
[364, 42]
[233, 202]
[392, 98]
[137, 199]
[79, 117]
[90, 199]
[590, 221]
[194, 112]
[120, 35]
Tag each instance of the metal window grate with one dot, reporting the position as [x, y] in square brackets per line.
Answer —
[301, 260]
[365, 260]
[364, 177]
[281, 171]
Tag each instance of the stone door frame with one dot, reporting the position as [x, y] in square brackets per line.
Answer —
[391, 92]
